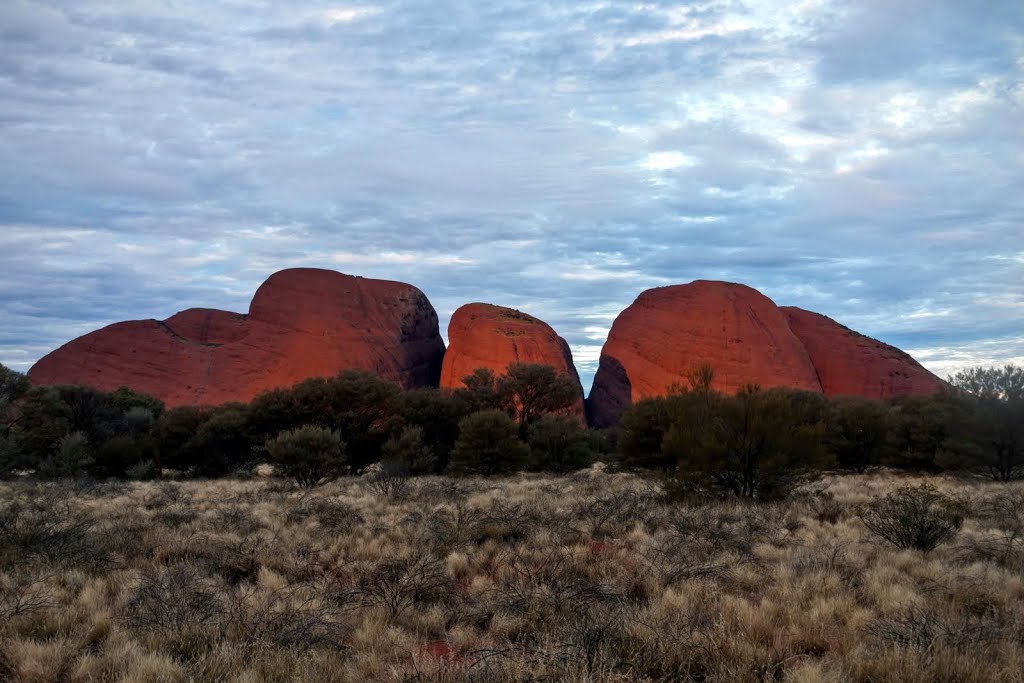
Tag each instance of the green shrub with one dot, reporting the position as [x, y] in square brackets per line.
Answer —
[561, 444]
[310, 455]
[917, 517]
[488, 444]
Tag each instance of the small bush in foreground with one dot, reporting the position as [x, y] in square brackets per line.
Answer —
[917, 517]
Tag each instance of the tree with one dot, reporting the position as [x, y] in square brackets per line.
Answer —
[559, 443]
[310, 455]
[406, 453]
[225, 442]
[176, 437]
[857, 432]
[13, 385]
[1003, 384]
[918, 430]
[359, 404]
[757, 444]
[437, 412]
[480, 391]
[532, 389]
[488, 444]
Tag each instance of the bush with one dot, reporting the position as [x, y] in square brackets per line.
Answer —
[917, 517]
[70, 458]
[310, 455]
[561, 444]
[487, 445]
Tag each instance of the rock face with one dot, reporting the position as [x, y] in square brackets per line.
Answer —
[486, 336]
[302, 323]
[851, 364]
[670, 331]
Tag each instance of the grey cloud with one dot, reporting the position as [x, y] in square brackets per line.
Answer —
[153, 160]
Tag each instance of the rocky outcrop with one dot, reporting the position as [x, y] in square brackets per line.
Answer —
[851, 364]
[670, 331]
[493, 337]
[302, 323]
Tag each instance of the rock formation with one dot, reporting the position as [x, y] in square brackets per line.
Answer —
[302, 323]
[851, 364]
[486, 336]
[670, 331]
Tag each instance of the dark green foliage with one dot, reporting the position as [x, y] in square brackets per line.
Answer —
[13, 385]
[488, 444]
[919, 427]
[531, 390]
[643, 427]
[176, 434]
[757, 444]
[407, 453]
[310, 455]
[359, 404]
[1004, 384]
[225, 442]
[70, 458]
[858, 431]
[119, 454]
[437, 412]
[986, 430]
[559, 443]
[480, 391]
[916, 517]
[124, 399]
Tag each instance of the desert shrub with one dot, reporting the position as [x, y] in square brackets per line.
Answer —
[918, 517]
[361, 405]
[224, 442]
[756, 444]
[292, 617]
[334, 515]
[176, 435]
[488, 444]
[642, 429]
[397, 586]
[184, 608]
[309, 455]
[408, 453]
[70, 458]
[120, 454]
[857, 433]
[559, 443]
[919, 427]
[437, 412]
[1003, 513]
[50, 531]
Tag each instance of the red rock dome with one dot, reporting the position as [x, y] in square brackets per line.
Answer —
[302, 323]
[493, 337]
[851, 364]
[670, 331]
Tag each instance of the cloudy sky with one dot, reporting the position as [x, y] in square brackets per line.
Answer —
[861, 158]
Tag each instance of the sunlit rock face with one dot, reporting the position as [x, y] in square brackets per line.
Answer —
[851, 364]
[302, 323]
[493, 337]
[668, 332]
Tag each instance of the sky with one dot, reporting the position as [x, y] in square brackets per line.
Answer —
[859, 158]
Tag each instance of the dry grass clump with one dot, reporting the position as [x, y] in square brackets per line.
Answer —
[588, 577]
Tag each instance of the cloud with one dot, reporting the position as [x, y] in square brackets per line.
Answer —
[862, 159]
